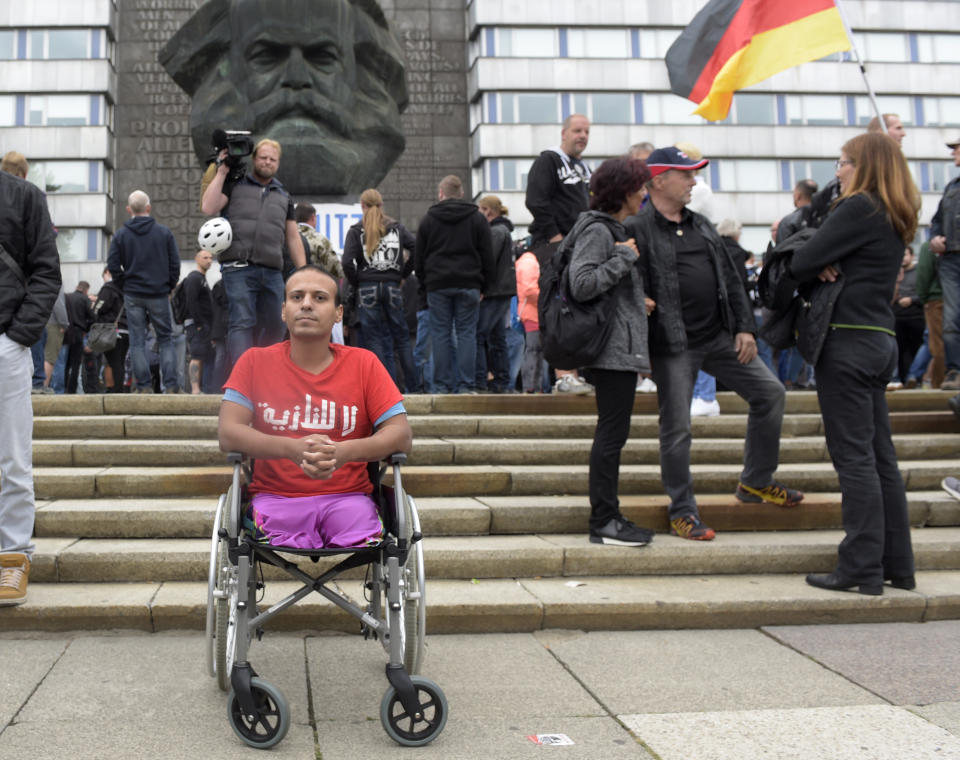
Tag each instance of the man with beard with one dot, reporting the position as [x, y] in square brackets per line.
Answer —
[262, 216]
[324, 77]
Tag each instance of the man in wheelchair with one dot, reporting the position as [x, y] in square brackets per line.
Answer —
[313, 414]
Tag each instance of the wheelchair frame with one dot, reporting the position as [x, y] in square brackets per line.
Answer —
[413, 710]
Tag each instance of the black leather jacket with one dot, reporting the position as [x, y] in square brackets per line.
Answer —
[26, 234]
[658, 261]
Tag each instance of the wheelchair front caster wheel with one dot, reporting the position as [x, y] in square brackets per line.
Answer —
[414, 730]
[269, 725]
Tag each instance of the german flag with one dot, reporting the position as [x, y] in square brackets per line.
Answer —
[732, 44]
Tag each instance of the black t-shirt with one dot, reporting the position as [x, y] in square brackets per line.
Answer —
[699, 292]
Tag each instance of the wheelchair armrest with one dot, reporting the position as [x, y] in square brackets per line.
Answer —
[234, 457]
[397, 458]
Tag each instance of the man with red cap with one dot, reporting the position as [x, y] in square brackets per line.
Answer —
[702, 320]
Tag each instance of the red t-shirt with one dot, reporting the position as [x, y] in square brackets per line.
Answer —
[343, 402]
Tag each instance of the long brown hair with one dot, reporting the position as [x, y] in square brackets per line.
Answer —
[374, 222]
[880, 170]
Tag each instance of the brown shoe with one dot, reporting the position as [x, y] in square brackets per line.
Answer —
[14, 572]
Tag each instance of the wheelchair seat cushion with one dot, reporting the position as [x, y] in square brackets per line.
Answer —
[315, 522]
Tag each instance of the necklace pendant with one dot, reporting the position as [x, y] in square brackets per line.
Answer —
[679, 232]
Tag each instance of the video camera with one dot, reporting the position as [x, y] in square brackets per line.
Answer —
[238, 144]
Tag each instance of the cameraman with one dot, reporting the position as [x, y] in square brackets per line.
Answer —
[262, 216]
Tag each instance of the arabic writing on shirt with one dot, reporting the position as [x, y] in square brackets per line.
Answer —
[320, 417]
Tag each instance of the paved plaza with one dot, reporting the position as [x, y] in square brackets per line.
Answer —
[827, 692]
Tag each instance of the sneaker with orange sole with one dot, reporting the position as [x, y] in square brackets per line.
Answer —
[775, 493]
[692, 527]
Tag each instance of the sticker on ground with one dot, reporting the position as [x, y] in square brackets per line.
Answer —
[554, 740]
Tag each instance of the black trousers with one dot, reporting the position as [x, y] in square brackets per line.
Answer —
[615, 391]
[852, 375]
[72, 370]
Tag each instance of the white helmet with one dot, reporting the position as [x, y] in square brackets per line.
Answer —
[215, 235]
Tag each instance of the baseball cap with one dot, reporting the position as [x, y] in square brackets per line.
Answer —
[954, 144]
[664, 159]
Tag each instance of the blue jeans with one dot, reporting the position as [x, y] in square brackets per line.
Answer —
[675, 375]
[492, 342]
[255, 303]
[158, 307]
[383, 325]
[36, 353]
[950, 282]
[921, 360]
[422, 355]
[454, 310]
[515, 340]
[705, 387]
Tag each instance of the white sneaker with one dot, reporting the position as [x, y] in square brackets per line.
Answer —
[573, 385]
[647, 386]
[894, 386]
[700, 407]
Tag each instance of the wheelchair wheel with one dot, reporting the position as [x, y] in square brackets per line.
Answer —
[272, 721]
[226, 603]
[414, 730]
[415, 597]
[213, 595]
[414, 610]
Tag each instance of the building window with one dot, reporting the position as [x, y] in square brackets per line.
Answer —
[73, 245]
[8, 44]
[60, 44]
[821, 110]
[941, 112]
[8, 110]
[820, 172]
[599, 43]
[58, 110]
[938, 48]
[508, 173]
[941, 174]
[526, 43]
[611, 108]
[754, 109]
[654, 43]
[63, 176]
[523, 108]
[68, 43]
[749, 176]
[669, 109]
[888, 104]
[878, 46]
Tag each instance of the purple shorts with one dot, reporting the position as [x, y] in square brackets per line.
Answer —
[316, 522]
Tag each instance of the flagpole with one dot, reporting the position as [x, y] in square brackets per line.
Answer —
[863, 69]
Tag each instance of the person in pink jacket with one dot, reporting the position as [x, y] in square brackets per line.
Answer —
[528, 291]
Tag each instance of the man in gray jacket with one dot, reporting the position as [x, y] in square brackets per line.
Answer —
[702, 319]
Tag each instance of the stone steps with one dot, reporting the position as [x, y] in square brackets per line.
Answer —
[468, 451]
[475, 516]
[183, 427]
[127, 487]
[510, 605]
[121, 560]
[459, 480]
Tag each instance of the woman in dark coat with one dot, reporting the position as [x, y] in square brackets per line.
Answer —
[604, 260]
[860, 247]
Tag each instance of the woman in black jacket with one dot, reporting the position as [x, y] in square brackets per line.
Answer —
[860, 247]
[375, 265]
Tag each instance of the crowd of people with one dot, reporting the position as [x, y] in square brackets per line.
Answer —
[453, 308]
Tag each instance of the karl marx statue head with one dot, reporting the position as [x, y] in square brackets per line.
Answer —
[325, 78]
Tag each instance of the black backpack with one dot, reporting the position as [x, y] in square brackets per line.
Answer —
[572, 333]
[178, 303]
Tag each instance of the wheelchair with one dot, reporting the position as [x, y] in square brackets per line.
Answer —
[413, 710]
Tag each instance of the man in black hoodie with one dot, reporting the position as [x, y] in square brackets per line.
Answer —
[454, 263]
[145, 262]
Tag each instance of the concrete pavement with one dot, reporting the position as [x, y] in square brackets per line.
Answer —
[871, 691]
